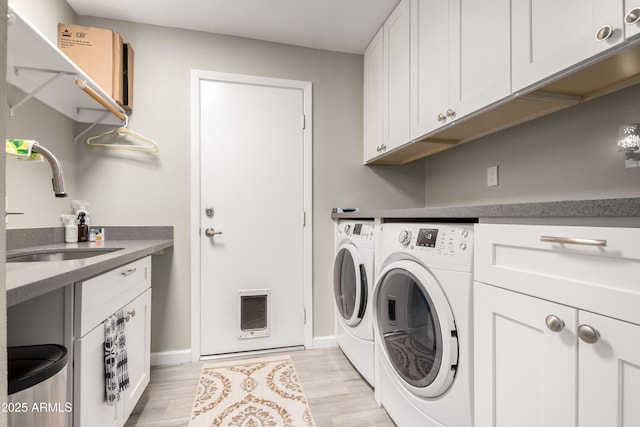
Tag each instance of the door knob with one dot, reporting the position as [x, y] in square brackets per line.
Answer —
[588, 334]
[554, 323]
[210, 232]
[632, 16]
[604, 32]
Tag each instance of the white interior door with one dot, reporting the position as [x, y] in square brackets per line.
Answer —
[252, 168]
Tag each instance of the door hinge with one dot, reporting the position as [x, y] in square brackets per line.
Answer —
[304, 218]
[304, 121]
[304, 321]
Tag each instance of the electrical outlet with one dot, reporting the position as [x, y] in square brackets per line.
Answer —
[631, 163]
[492, 176]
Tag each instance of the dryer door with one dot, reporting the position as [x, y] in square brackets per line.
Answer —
[416, 329]
[350, 284]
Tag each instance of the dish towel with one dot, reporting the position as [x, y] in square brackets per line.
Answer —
[22, 149]
[115, 357]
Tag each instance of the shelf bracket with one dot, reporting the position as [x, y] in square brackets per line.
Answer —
[84, 132]
[56, 76]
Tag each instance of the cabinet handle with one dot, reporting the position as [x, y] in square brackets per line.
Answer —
[130, 314]
[588, 334]
[554, 323]
[604, 32]
[573, 241]
[450, 113]
[442, 117]
[129, 272]
[632, 16]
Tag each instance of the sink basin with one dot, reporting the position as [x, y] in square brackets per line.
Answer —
[59, 255]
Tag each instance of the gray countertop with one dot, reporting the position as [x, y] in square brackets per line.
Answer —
[26, 280]
[598, 208]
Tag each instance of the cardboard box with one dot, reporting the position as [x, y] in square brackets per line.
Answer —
[99, 53]
[127, 80]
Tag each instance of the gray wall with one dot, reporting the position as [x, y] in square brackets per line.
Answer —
[129, 189]
[569, 155]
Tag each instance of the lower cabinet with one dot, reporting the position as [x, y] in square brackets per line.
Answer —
[89, 396]
[539, 363]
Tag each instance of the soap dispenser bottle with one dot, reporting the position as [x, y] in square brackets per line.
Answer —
[83, 229]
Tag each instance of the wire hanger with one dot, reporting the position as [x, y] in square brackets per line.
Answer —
[117, 137]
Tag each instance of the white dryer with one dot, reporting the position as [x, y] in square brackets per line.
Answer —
[353, 286]
[423, 323]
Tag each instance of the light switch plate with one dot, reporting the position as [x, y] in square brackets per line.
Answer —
[492, 176]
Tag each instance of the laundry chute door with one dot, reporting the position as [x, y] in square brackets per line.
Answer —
[251, 153]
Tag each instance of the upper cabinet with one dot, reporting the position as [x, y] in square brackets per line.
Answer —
[456, 70]
[460, 60]
[36, 66]
[396, 82]
[373, 104]
[549, 36]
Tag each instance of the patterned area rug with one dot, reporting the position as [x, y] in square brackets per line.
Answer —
[262, 392]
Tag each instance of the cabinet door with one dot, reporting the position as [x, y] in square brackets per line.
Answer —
[524, 374]
[396, 77]
[89, 407]
[373, 109]
[430, 73]
[609, 373]
[138, 332]
[481, 65]
[551, 36]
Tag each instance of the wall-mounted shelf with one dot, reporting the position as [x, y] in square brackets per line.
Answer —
[36, 66]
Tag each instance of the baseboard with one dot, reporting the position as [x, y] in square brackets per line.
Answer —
[171, 357]
[325, 342]
[184, 356]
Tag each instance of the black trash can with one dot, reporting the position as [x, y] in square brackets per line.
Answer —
[38, 386]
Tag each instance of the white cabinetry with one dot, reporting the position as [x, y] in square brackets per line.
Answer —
[549, 36]
[557, 335]
[397, 88]
[127, 288]
[460, 60]
[373, 104]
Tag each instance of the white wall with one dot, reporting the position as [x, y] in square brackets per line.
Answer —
[569, 155]
[134, 189]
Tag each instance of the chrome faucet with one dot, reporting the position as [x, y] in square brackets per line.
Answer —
[56, 169]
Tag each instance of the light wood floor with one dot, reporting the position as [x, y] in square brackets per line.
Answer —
[336, 393]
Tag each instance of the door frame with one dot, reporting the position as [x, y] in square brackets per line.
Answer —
[194, 217]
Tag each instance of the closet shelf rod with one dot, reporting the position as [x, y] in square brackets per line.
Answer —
[95, 95]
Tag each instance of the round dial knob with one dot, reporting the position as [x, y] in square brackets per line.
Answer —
[405, 237]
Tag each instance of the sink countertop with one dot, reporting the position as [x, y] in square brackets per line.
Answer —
[26, 280]
[624, 208]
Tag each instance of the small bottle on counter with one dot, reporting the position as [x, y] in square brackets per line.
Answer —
[83, 229]
[70, 228]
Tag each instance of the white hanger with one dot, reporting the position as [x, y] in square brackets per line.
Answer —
[123, 134]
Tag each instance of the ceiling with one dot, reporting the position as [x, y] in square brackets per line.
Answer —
[337, 25]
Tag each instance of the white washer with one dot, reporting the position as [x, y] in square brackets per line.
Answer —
[352, 288]
[422, 305]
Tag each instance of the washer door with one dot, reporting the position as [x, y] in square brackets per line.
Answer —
[416, 328]
[350, 284]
